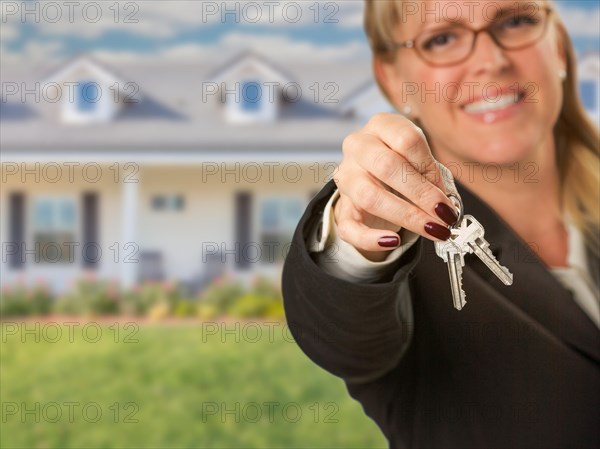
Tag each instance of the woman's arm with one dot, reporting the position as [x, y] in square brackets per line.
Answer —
[357, 331]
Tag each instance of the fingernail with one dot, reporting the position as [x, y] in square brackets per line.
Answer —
[388, 242]
[437, 230]
[446, 213]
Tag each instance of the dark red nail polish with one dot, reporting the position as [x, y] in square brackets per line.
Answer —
[388, 242]
[446, 213]
[437, 230]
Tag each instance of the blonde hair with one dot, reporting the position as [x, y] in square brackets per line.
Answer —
[577, 138]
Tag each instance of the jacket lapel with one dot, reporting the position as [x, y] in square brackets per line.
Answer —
[594, 262]
[535, 290]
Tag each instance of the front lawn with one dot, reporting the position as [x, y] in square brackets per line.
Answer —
[160, 385]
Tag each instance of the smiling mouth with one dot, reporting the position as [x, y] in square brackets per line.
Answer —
[483, 106]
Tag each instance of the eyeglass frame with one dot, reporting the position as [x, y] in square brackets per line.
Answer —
[410, 44]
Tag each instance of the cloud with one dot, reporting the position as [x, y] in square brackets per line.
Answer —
[151, 18]
[188, 53]
[283, 48]
[8, 32]
[279, 48]
[166, 19]
[169, 18]
[32, 53]
[581, 22]
[351, 14]
[9, 29]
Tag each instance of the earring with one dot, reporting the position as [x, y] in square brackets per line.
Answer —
[562, 74]
[406, 110]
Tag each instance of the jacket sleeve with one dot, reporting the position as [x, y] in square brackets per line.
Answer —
[348, 262]
[357, 331]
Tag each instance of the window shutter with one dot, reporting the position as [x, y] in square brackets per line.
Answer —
[243, 227]
[91, 246]
[17, 229]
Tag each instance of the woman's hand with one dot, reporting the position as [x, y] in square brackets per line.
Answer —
[388, 179]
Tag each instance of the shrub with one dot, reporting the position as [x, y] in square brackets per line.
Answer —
[21, 300]
[250, 305]
[207, 311]
[42, 300]
[14, 302]
[275, 310]
[184, 308]
[265, 287]
[158, 311]
[271, 294]
[221, 294]
[91, 296]
[142, 298]
[227, 296]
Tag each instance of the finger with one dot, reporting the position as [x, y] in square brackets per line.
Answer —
[364, 238]
[407, 139]
[389, 167]
[348, 210]
[372, 242]
[368, 196]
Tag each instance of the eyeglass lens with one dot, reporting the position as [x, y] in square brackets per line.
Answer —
[453, 43]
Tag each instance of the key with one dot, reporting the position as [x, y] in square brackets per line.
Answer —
[467, 237]
[453, 255]
[470, 238]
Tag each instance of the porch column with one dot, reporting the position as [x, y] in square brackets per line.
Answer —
[129, 248]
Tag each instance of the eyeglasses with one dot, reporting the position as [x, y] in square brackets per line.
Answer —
[454, 44]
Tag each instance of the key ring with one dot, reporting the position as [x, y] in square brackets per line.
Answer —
[458, 201]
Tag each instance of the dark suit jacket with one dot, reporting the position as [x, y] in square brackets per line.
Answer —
[519, 366]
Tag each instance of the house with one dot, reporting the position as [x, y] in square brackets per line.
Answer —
[142, 172]
[161, 172]
[589, 83]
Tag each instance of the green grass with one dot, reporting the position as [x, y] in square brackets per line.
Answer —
[167, 383]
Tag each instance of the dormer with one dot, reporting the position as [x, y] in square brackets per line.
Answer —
[90, 93]
[250, 89]
[365, 102]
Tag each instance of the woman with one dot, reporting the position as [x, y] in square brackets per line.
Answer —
[365, 294]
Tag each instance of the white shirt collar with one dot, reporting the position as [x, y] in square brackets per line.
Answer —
[576, 256]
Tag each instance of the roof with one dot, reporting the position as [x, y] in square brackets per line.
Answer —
[172, 116]
[85, 63]
[249, 57]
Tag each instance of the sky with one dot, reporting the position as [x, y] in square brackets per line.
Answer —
[193, 31]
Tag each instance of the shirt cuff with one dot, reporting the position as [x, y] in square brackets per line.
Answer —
[344, 261]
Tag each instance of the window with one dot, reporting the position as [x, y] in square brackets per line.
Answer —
[250, 96]
[88, 94]
[278, 220]
[54, 230]
[589, 94]
[168, 203]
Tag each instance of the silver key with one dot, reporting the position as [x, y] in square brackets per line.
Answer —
[467, 237]
[453, 255]
[470, 238]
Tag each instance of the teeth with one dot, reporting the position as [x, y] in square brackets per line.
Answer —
[485, 106]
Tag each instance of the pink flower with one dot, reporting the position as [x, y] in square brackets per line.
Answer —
[168, 286]
[40, 281]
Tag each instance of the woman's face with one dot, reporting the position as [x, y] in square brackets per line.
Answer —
[448, 100]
